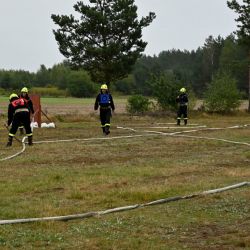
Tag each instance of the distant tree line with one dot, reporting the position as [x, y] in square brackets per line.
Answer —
[75, 83]
[194, 69]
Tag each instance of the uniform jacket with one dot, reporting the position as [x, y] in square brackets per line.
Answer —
[30, 104]
[104, 101]
[182, 99]
[15, 104]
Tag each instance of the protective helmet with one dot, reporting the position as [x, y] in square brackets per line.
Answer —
[183, 90]
[13, 95]
[24, 90]
[104, 86]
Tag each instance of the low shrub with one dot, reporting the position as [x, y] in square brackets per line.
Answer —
[223, 95]
[138, 104]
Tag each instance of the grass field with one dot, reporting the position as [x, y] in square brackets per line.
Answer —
[83, 106]
[68, 105]
[76, 177]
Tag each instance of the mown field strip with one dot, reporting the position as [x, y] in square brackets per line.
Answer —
[149, 133]
[125, 208]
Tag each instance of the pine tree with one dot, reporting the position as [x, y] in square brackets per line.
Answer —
[106, 40]
[243, 31]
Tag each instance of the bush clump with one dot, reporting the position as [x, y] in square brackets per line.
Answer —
[165, 88]
[138, 104]
[222, 96]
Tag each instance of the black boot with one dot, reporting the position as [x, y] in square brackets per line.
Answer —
[107, 130]
[178, 122]
[30, 142]
[9, 143]
[185, 122]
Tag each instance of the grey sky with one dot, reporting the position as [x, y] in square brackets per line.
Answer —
[27, 40]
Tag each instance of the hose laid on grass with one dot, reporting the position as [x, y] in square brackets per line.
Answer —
[125, 208]
[150, 133]
[172, 127]
[18, 153]
[198, 137]
[94, 139]
[180, 133]
[174, 123]
[207, 129]
[72, 140]
[213, 138]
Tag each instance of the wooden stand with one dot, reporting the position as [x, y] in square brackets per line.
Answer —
[37, 108]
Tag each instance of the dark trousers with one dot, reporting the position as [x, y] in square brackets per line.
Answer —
[21, 119]
[182, 111]
[105, 115]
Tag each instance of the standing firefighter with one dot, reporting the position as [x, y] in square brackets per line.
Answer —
[18, 114]
[182, 101]
[105, 101]
[25, 95]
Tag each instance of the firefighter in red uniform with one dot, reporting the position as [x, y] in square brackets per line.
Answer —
[18, 114]
[182, 101]
[105, 101]
[25, 95]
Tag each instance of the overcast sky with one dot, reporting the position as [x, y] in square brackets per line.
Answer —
[27, 40]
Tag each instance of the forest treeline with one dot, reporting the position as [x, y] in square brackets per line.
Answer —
[194, 69]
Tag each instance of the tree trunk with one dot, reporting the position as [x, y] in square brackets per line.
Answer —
[249, 86]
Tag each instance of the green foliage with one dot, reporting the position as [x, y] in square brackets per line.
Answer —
[42, 76]
[192, 99]
[209, 61]
[15, 79]
[243, 32]
[233, 60]
[106, 40]
[138, 104]
[197, 68]
[223, 95]
[126, 85]
[165, 88]
[49, 91]
[80, 84]
[59, 75]
[144, 68]
[243, 19]
[3, 92]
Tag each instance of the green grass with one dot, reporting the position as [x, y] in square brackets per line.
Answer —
[67, 105]
[71, 100]
[66, 100]
[77, 177]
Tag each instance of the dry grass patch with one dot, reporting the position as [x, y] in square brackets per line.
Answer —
[79, 176]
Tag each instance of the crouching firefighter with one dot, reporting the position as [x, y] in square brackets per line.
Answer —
[182, 101]
[18, 114]
[105, 101]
